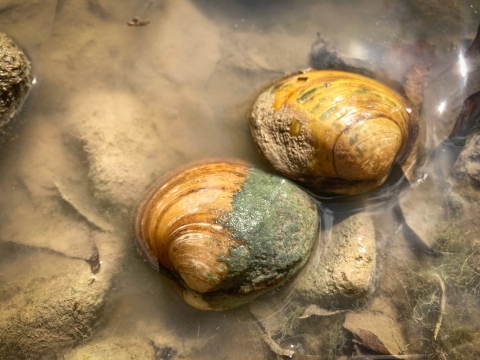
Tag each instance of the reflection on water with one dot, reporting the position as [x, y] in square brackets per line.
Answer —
[117, 106]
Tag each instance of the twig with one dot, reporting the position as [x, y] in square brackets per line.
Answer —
[442, 305]
[277, 349]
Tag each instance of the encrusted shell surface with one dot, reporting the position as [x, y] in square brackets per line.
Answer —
[334, 131]
[15, 80]
[226, 232]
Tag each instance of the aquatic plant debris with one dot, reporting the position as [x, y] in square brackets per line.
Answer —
[138, 22]
[315, 310]
[443, 301]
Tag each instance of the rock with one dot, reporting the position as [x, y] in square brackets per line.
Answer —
[346, 270]
[15, 80]
[376, 331]
[122, 147]
[50, 301]
[128, 348]
[58, 263]
[115, 349]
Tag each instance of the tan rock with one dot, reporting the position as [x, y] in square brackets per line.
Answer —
[15, 81]
[49, 301]
[114, 349]
[345, 270]
[124, 152]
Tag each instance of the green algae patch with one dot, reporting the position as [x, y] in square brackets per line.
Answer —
[276, 224]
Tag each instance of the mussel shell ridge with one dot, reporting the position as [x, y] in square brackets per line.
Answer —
[226, 232]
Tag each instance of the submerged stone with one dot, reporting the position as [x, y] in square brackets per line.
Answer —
[53, 302]
[345, 270]
[114, 349]
[15, 80]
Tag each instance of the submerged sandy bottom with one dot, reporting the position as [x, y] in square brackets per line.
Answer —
[115, 107]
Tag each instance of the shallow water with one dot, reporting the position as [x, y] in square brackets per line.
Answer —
[115, 106]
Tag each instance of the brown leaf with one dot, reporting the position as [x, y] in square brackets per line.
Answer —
[376, 331]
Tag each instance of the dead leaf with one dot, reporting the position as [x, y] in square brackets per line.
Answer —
[376, 331]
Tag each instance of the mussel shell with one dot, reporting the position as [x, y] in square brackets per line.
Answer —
[226, 232]
[333, 131]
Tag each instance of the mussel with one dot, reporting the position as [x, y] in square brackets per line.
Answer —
[333, 131]
[226, 232]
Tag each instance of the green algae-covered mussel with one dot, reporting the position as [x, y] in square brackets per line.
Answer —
[226, 232]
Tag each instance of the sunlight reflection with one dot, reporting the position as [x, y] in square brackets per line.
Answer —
[463, 65]
[442, 106]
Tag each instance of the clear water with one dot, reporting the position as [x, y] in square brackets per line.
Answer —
[174, 91]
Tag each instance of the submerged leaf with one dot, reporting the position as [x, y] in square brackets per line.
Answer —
[376, 331]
